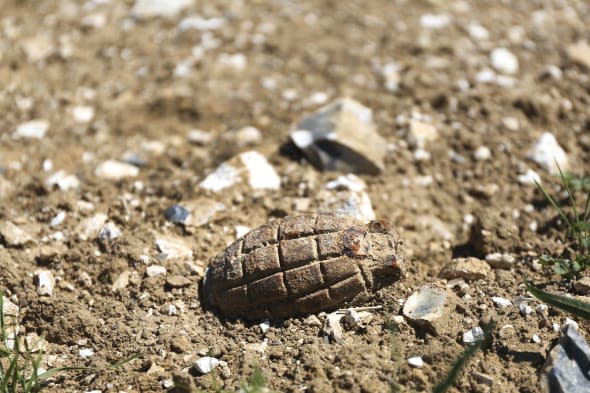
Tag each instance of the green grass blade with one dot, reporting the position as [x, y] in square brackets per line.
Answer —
[586, 207]
[554, 204]
[463, 359]
[576, 307]
[570, 194]
[125, 361]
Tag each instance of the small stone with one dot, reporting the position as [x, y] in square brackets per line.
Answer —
[176, 214]
[500, 302]
[198, 23]
[435, 21]
[236, 62]
[159, 8]
[264, 326]
[530, 177]
[341, 136]
[500, 260]
[63, 181]
[569, 321]
[249, 166]
[347, 182]
[484, 378]
[116, 170]
[38, 47]
[504, 61]
[355, 204]
[482, 153]
[332, 328]
[13, 236]
[109, 233]
[89, 228]
[542, 309]
[178, 281]
[506, 331]
[155, 270]
[421, 133]
[206, 364]
[566, 367]
[473, 335]
[34, 129]
[511, 123]
[86, 353]
[582, 286]
[58, 219]
[548, 154]
[180, 344]
[171, 310]
[478, 32]
[312, 320]
[355, 320]
[536, 339]
[470, 268]
[83, 114]
[44, 281]
[174, 248]
[121, 281]
[525, 309]
[199, 137]
[246, 136]
[430, 306]
[580, 53]
[416, 361]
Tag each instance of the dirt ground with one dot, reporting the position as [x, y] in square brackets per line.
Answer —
[110, 83]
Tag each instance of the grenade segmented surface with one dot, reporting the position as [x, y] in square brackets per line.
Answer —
[303, 264]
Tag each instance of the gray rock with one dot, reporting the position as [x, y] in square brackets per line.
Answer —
[332, 328]
[13, 236]
[473, 335]
[155, 270]
[174, 248]
[341, 136]
[430, 307]
[500, 261]
[206, 364]
[176, 214]
[566, 367]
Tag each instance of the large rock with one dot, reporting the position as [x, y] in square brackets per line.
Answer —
[341, 136]
[566, 368]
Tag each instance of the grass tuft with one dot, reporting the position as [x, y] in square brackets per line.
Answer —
[20, 368]
[578, 226]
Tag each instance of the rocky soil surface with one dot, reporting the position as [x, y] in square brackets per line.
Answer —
[139, 139]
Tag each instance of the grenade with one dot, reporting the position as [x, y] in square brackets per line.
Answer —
[302, 265]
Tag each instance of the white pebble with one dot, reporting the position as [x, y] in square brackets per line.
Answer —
[511, 123]
[58, 219]
[548, 154]
[206, 364]
[264, 326]
[473, 335]
[504, 61]
[85, 353]
[432, 21]
[541, 309]
[501, 302]
[482, 153]
[261, 175]
[525, 309]
[83, 114]
[529, 177]
[45, 282]
[32, 129]
[155, 270]
[536, 338]
[478, 32]
[571, 322]
[116, 170]
[416, 361]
